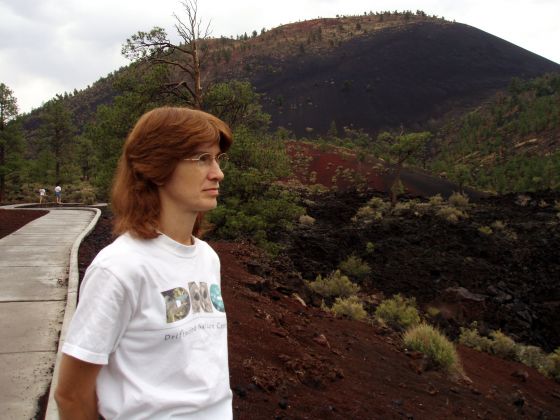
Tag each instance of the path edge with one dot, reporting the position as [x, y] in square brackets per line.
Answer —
[51, 412]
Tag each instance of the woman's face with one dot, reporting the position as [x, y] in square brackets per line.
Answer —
[193, 187]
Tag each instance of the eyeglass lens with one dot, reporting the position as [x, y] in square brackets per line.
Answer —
[206, 159]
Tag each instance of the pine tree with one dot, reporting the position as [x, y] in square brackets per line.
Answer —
[8, 111]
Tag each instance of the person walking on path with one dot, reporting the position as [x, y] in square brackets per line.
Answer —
[58, 194]
[149, 336]
[42, 193]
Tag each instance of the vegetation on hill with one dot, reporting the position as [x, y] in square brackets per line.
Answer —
[510, 144]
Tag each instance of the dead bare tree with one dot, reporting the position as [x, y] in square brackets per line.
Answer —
[155, 48]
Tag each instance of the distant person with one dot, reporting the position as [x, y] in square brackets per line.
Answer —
[58, 194]
[42, 194]
[149, 336]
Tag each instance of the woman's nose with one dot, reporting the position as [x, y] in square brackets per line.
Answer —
[215, 171]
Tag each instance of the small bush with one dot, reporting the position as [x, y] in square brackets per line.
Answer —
[522, 200]
[485, 230]
[436, 200]
[451, 214]
[370, 248]
[503, 346]
[533, 356]
[554, 364]
[402, 208]
[355, 268]
[459, 200]
[379, 204]
[432, 311]
[498, 225]
[334, 285]
[351, 307]
[470, 338]
[398, 312]
[306, 220]
[367, 215]
[440, 351]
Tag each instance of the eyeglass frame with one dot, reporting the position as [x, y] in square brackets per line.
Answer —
[221, 159]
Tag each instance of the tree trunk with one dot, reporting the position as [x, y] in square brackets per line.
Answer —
[198, 100]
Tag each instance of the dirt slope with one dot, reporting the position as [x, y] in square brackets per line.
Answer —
[289, 361]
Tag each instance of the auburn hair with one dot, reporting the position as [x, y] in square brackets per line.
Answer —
[160, 139]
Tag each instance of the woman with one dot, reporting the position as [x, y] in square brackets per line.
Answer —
[149, 338]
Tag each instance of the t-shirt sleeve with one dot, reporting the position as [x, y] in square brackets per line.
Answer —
[101, 318]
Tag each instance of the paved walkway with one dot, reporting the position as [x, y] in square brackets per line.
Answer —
[38, 278]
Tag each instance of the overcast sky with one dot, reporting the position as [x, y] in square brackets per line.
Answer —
[52, 46]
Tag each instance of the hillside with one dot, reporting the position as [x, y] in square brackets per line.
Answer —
[408, 73]
[508, 143]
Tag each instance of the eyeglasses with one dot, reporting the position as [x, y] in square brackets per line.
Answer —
[205, 160]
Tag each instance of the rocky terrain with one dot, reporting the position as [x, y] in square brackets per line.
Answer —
[504, 280]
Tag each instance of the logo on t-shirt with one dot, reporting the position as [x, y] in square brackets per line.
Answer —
[179, 302]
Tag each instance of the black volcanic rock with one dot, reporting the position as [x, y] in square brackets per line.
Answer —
[402, 75]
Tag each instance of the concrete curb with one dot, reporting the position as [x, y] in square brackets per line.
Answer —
[71, 302]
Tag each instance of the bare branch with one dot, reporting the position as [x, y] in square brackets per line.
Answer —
[155, 48]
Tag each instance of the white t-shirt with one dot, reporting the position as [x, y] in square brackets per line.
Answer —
[151, 311]
[57, 189]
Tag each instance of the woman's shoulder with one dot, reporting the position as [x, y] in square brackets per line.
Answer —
[123, 249]
[204, 246]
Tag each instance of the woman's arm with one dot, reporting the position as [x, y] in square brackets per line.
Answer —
[75, 393]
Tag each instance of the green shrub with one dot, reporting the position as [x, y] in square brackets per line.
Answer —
[533, 356]
[485, 230]
[351, 307]
[401, 208]
[432, 311]
[459, 200]
[379, 204]
[436, 200]
[370, 248]
[257, 219]
[355, 268]
[451, 214]
[470, 338]
[440, 351]
[398, 312]
[334, 285]
[554, 364]
[367, 214]
[503, 346]
[255, 206]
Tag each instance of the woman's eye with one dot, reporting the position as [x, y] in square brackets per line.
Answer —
[205, 158]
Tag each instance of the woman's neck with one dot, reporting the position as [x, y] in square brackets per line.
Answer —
[177, 225]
